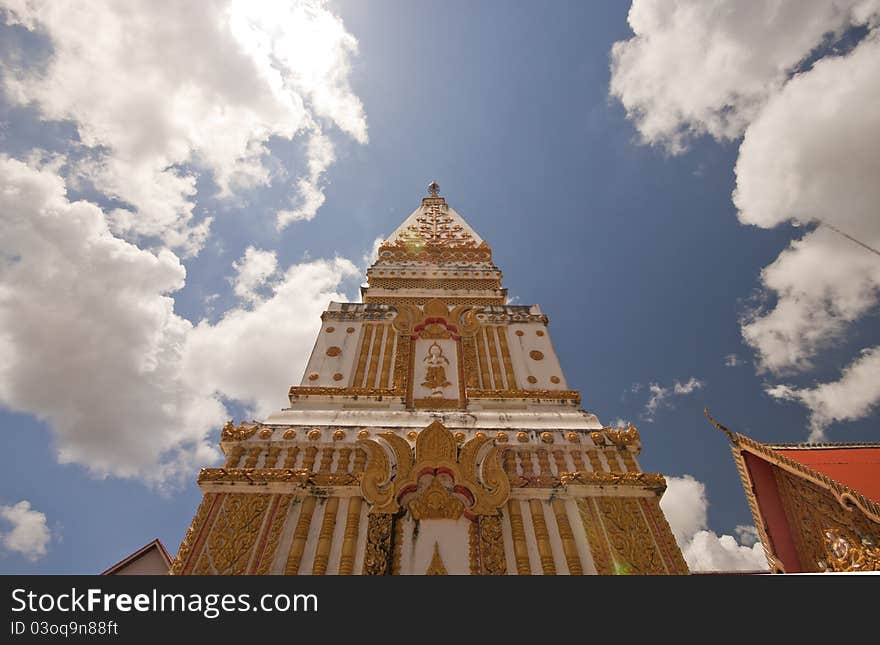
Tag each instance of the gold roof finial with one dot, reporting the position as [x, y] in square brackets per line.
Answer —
[434, 189]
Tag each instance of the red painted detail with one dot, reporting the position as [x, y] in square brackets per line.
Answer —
[206, 527]
[772, 512]
[440, 321]
[857, 468]
[464, 492]
[261, 547]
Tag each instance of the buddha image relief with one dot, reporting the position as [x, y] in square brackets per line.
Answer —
[435, 370]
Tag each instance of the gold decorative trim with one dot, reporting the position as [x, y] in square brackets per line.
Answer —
[599, 547]
[436, 567]
[490, 543]
[275, 523]
[307, 390]
[229, 546]
[632, 544]
[563, 395]
[185, 557]
[240, 432]
[652, 481]
[675, 563]
[847, 552]
[301, 476]
[437, 404]
[378, 549]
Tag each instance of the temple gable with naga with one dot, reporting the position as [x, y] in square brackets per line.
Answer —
[433, 432]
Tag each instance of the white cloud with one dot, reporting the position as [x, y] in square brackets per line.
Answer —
[252, 272]
[660, 396]
[685, 505]
[90, 343]
[691, 385]
[732, 360]
[855, 395]
[696, 67]
[28, 534]
[253, 355]
[153, 87]
[808, 154]
[812, 155]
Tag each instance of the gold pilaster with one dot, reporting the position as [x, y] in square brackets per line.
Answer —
[518, 532]
[493, 359]
[300, 535]
[525, 461]
[629, 461]
[595, 462]
[578, 458]
[325, 536]
[385, 376]
[350, 536]
[367, 336]
[485, 382]
[542, 536]
[505, 357]
[569, 548]
[374, 355]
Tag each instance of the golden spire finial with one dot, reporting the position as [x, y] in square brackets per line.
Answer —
[434, 189]
[725, 430]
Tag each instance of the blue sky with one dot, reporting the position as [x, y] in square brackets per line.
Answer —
[611, 208]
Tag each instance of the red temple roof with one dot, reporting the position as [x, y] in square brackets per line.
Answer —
[855, 466]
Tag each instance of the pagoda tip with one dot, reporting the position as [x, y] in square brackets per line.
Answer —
[433, 189]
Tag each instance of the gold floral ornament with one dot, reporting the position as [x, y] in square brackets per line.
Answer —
[848, 552]
[243, 431]
[437, 479]
[333, 351]
[622, 437]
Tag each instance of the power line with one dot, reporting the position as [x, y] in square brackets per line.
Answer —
[849, 237]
